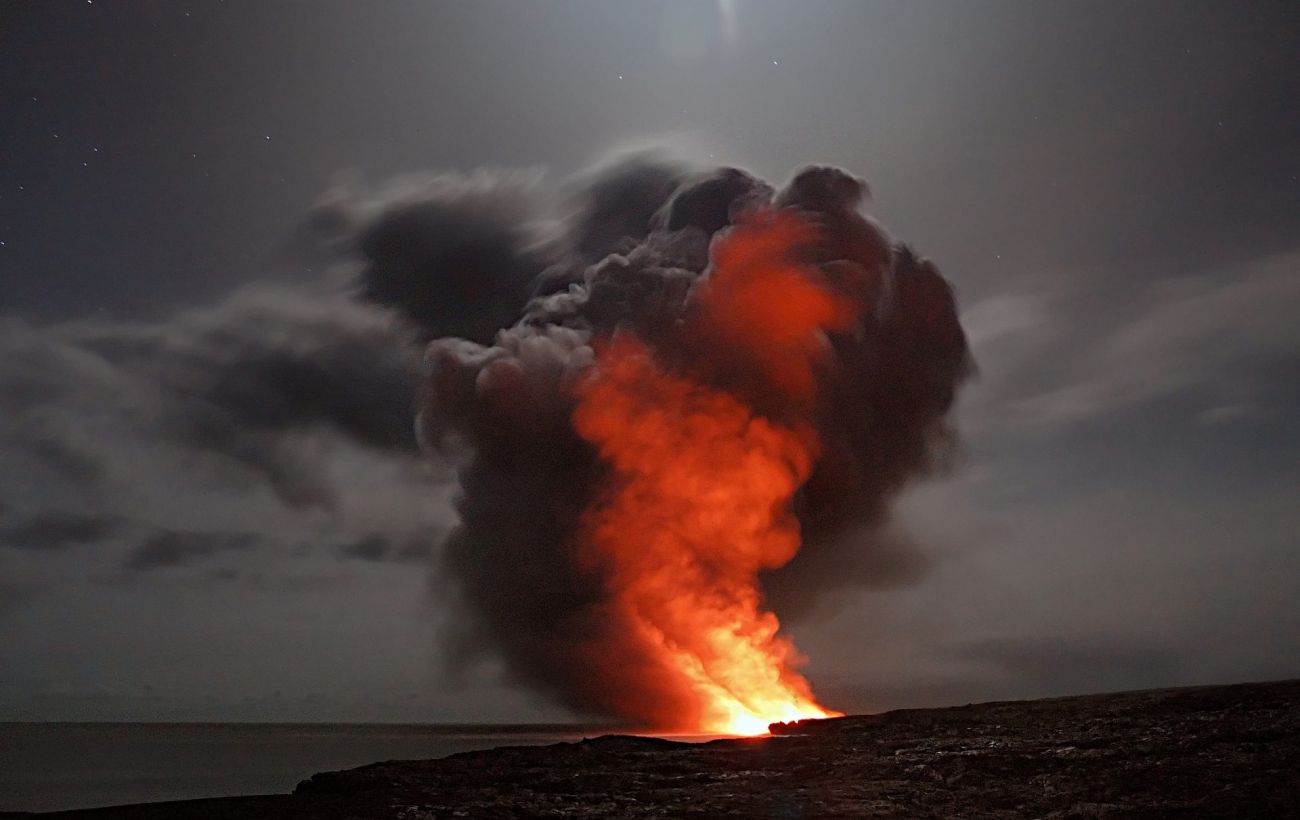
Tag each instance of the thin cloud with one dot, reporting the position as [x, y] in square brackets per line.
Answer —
[166, 549]
[60, 529]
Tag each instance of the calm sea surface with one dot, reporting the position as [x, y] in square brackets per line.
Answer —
[49, 766]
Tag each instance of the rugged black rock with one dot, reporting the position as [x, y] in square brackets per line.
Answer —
[1222, 751]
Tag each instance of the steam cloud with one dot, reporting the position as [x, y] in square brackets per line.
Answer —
[513, 316]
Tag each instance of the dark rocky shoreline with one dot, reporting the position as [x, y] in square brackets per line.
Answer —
[1220, 751]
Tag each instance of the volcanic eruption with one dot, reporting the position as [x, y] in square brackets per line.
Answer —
[709, 395]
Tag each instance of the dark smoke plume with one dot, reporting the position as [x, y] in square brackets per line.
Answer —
[499, 390]
[454, 255]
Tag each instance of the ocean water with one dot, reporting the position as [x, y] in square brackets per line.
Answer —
[52, 766]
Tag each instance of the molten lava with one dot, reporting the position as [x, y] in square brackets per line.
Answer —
[699, 502]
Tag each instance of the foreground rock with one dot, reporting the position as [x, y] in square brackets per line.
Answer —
[1224, 751]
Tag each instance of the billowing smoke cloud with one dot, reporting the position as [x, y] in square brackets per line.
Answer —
[630, 263]
[454, 254]
[280, 394]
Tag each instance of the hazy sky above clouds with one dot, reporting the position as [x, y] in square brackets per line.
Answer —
[1113, 188]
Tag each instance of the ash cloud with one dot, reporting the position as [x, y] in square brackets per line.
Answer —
[454, 255]
[616, 205]
[278, 391]
[629, 262]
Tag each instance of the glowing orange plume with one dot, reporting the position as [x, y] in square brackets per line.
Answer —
[700, 498]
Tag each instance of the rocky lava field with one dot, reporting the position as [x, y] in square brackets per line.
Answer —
[1221, 751]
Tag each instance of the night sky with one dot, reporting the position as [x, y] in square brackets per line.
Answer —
[1113, 188]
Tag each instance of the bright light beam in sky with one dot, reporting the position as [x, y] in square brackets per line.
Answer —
[727, 21]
